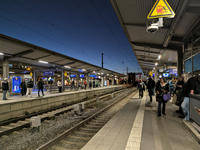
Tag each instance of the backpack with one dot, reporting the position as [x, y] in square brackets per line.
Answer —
[140, 86]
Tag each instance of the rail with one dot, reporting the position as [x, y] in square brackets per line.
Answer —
[195, 102]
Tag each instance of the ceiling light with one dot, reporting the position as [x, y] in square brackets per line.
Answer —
[83, 69]
[156, 64]
[1, 53]
[93, 71]
[11, 72]
[107, 74]
[44, 62]
[153, 68]
[159, 57]
[67, 67]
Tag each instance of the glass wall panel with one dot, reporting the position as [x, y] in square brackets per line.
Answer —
[196, 62]
[188, 65]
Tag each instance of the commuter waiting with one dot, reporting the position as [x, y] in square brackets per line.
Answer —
[190, 88]
[59, 84]
[179, 94]
[141, 88]
[40, 87]
[85, 84]
[5, 88]
[150, 87]
[29, 88]
[23, 87]
[161, 88]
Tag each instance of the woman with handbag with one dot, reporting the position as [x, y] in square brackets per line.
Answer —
[162, 89]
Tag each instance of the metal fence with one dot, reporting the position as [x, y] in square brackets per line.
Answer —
[195, 102]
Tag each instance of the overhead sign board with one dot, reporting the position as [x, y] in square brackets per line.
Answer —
[93, 76]
[73, 76]
[150, 73]
[172, 71]
[161, 9]
[48, 73]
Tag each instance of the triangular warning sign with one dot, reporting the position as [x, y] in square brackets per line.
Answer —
[161, 9]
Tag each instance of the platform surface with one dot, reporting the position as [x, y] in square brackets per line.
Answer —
[14, 98]
[137, 127]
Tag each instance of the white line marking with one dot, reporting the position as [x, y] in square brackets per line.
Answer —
[135, 137]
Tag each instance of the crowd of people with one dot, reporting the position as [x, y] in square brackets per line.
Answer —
[178, 89]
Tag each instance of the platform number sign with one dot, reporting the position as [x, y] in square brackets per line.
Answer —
[161, 9]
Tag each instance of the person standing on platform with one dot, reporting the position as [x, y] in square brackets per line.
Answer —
[59, 84]
[40, 87]
[73, 87]
[85, 84]
[29, 88]
[178, 92]
[90, 84]
[141, 88]
[5, 88]
[190, 88]
[161, 89]
[150, 86]
[23, 87]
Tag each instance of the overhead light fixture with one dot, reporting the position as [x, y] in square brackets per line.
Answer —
[93, 71]
[83, 69]
[1, 53]
[153, 68]
[156, 64]
[101, 73]
[11, 72]
[44, 62]
[107, 74]
[159, 57]
[67, 67]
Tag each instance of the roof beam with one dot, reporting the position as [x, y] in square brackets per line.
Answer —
[193, 9]
[23, 53]
[183, 4]
[170, 47]
[146, 51]
[142, 25]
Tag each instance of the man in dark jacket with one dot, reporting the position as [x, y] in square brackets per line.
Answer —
[5, 88]
[150, 86]
[29, 88]
[40, 87]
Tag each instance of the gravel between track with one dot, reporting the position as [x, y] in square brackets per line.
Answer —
[32, 138]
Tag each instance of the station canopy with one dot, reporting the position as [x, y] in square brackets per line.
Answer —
[167, 41]
[26, 54]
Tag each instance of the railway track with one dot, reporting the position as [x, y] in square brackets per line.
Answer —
[19, 123]
[76, 137]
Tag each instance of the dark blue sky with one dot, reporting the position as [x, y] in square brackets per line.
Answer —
[82, 29]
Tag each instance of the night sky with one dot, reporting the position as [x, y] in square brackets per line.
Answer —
[82, 29]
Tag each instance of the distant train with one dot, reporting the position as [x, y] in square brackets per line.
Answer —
[133, 78]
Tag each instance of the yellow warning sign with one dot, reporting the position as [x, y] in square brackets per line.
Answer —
[150, 73]
[161, 9]
[65, 74]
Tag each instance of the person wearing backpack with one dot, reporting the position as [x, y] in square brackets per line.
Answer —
[5, 88]
[40, 87]
[29, 88]
[141, 87]
[190, 88]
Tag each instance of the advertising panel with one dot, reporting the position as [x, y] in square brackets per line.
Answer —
[93, 76]
[82, 76]
[73, 76]
[16, 81]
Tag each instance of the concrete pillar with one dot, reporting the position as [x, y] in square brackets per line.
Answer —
[5, 67]
[113, 80]
[180, 63]
[77, 79]
[156, 74]
[34, 77]
[87, 80]
[102, 81]
[63, 82]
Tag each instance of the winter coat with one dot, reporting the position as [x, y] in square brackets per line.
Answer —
[23, 88]
[30, 84]
[159, 97]
[59, 84]
[40, 84]
[150, 84]
[5, 86]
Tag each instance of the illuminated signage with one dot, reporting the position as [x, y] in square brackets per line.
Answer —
[93, 76]
[82, 76]
[73, 76]
[16, 81]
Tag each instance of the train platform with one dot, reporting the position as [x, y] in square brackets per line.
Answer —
[17, 106]
[14, 98]
[137, 127]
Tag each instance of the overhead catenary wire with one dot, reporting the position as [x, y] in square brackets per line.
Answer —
[98, 27]
[47, 21]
